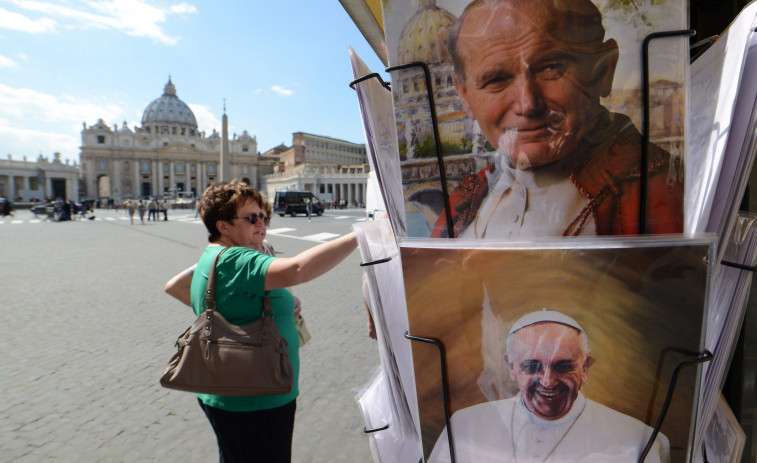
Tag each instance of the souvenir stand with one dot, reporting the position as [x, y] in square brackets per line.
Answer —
[718, 277]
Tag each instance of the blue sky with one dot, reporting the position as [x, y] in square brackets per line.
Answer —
[281, 65]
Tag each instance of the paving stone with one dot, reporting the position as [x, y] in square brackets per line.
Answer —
[88, 331]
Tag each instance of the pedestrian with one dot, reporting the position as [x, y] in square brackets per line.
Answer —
[66, 210]
[141, 209]
[163, 207]
[6, 207]
[255, 428]
[197, 207]
[309, 207]
[131, 207]
[152, 210]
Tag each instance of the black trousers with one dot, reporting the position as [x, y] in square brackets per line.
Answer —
[264, 436]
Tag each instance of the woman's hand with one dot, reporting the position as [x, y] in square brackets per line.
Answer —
[297, 305]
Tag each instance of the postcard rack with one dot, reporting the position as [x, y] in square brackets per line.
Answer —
[695, 357]
[645, 118]
[367, 264]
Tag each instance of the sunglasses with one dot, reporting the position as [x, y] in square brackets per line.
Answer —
[253, 219]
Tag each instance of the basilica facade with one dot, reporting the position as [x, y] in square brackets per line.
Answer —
[166, 156]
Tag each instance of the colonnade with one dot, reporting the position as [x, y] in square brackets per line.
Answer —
[152, 177]
[38, 180]
[351, 192]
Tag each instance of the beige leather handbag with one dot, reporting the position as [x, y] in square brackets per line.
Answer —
[219, 358]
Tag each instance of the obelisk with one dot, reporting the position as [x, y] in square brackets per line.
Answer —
[225, 173]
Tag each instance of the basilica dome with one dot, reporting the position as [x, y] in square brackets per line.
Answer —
[169, 110]
[425, 35]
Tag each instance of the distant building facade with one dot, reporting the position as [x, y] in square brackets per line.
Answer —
[39, 180]
[332, 169]
[167, 155]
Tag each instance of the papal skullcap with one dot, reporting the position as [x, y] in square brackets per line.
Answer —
[541, 316]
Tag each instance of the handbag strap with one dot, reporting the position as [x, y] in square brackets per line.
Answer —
[210, 290]
[267, 312]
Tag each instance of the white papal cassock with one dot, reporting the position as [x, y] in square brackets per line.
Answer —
[505, 431]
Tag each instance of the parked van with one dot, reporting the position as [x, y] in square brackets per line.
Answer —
[294, 202]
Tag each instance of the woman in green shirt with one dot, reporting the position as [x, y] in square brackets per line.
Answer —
[254, 428]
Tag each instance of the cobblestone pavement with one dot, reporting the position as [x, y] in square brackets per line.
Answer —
[88, 331]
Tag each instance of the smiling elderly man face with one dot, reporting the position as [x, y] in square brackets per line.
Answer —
[550, 362]
[531, 72]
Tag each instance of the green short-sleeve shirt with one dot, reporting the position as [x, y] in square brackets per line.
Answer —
[240, 290]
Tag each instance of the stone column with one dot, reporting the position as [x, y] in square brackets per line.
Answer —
[26, 182]
[90, 185]
[187, 177]
[71, 190]
[171, 174]
[161, 186]
[137, 179]
[198, 179]
[115, 186]
[154, 179]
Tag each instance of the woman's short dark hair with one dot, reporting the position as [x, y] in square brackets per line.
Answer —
[220, 201]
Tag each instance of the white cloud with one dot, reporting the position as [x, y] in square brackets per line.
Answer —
[132, 17]
[57, 122]
[18, 22]
[282, 91]
[27, 103]
[182, 8]
[6, 62]
[46, 143]
[206, 120]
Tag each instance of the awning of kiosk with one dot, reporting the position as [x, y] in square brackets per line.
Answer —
[367, 16]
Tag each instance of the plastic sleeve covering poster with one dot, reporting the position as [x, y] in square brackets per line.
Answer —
[538, 109]
[557, 354]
